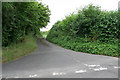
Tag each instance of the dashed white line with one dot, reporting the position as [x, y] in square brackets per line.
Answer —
[80, 71]
[56, 73]
[35, 75]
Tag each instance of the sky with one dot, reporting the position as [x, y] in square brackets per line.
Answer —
[61, 8]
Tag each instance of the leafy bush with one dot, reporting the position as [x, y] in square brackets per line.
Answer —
[44, 33]
[91, 30]
[22, 18]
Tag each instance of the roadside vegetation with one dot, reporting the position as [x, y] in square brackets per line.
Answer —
[44, 33]
[91, 30]
[21, 23]
[15, 51]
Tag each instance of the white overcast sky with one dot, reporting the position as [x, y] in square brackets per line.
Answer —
[61, 8]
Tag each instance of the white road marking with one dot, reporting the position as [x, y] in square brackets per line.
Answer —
[80, 71]
[100, 69]
[56, 73]
[96, 69]
[33, 75]
[93, 65]
[16, 77]
[116, 67]
[62, 73]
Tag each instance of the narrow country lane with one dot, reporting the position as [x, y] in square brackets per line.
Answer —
[52, 61]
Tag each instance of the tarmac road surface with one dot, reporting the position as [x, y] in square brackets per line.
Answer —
[52, 61]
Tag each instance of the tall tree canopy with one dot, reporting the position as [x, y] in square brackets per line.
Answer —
[22, 18]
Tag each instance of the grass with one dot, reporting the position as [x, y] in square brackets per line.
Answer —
[16, 51]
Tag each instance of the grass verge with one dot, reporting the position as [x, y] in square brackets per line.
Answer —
[19, 50]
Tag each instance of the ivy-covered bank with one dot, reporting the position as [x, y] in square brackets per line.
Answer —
[91, 30]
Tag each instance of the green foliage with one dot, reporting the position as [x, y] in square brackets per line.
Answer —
[22, 18]
[81, 45]
[44, 33]
[91, 30]
[15, 51]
